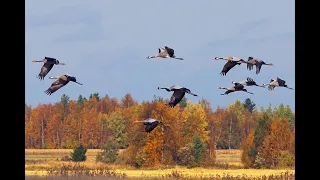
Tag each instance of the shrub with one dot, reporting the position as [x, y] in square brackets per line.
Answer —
[109, 153]
[193, 153]
[79, 154]
[140, 157]
[66, 158]
[186, 157]
[286, 159]
[258, 163]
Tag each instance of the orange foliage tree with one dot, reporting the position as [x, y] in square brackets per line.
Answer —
[280, 139]
[91, 122]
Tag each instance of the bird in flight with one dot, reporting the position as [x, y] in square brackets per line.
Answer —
[236, 87]
[165, 52]
[47, 66]
[150, 124]
[256, 62]
[229, 65]
[276, 83]
[60, 81]
[178, 94]
[248, 82]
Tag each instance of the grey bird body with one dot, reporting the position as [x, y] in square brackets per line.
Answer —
[47, 66]
[228, 58]
[150, 124]
[60, 81]
[249, 82]
[276, 83]
[229, 65]
[236, 87]
[252, 61]
[165, 52]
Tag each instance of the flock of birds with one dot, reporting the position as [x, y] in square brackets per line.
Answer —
[178, 91]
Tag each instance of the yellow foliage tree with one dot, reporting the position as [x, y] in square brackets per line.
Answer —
[153, 148]
[195, 121]
[239, 123]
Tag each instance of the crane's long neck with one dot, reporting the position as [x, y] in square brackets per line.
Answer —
[149, 57]
[260, 85]
[138, 121]
[222, 88]
[269, 64]
[77, 82]
[218, 58]
[36, 61]
[163, 88]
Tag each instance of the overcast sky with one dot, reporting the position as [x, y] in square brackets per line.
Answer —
[104, 44]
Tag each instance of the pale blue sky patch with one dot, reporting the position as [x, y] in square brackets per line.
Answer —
[105, 43]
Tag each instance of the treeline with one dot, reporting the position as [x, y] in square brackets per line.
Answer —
[195, 131]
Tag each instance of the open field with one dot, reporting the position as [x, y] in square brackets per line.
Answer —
[232, 157]
[37, 160]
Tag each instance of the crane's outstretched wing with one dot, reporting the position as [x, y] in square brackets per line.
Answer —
[251, 82]
[281, 82]
[251, 62]
[271, 87]
[176, 98]
[170, 51]
[149, 126]
[238, 86]
[45, 70]
[258, 67]
[227, 92]
[161, 50]
[226, 68]
[249, 79]
[49, 59]
[57, 84]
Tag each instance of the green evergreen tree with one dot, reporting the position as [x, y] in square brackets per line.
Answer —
[116, 123]
[286, 112]
[250, 105]
[96, 95]
[198, 148]
[262, 130]
[65, 100]
[79, 154]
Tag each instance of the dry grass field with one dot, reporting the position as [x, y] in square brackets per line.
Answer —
[37, 161]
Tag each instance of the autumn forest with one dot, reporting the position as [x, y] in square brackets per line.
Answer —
[266, 136]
